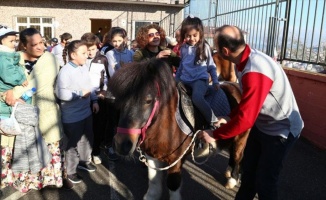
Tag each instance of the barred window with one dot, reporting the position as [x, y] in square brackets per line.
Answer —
[43, 24]
[138, 24]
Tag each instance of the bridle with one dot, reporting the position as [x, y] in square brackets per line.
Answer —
[142, 131]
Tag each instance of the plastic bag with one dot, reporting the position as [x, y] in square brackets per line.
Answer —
[9, 126]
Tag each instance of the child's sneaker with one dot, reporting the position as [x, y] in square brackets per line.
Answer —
[74, 178]
[97, 160]
[87, 166]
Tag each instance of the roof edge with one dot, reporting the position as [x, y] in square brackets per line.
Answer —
[147, 3]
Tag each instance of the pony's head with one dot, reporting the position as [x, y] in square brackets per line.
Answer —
[140, 90]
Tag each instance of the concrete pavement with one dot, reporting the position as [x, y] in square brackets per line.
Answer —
[303, 178]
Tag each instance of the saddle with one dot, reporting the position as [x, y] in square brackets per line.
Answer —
[188, 111]
[190, 115]
[218, 100]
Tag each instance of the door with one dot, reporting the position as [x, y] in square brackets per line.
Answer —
[96, 24]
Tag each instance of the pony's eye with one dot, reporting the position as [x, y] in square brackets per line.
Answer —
[148, 99]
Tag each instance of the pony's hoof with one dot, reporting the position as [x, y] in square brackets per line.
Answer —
[227, 174]
[231, 183]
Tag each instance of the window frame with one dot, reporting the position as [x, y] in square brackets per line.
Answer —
[134, 26]
[42, 25]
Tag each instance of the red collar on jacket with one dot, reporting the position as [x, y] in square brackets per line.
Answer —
[244, 58]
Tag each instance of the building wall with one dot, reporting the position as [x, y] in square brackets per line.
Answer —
[74, 17]
[309, 90]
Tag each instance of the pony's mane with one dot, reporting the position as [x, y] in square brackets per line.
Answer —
[132, 82]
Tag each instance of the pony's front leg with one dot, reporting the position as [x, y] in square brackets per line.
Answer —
[232, 171]
[236, 155]
[174, 192]
[154, 179]
[174, 181]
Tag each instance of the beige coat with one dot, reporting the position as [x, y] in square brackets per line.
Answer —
[42, 78]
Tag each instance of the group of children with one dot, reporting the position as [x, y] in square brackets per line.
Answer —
[81, 84]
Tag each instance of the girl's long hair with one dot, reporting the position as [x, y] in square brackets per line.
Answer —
[65, 36]
[188, 24]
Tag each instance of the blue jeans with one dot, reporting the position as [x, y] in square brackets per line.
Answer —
[262, 164]
[199, 90]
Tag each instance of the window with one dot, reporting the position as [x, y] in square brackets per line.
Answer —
[138, 24]
[43, 24]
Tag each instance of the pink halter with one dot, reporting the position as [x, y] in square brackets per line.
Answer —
[142, 130]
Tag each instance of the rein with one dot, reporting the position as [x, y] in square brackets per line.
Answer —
[143, 158]
[142, 131]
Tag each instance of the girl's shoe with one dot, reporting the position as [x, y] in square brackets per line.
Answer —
[86, 166]
[74, 178]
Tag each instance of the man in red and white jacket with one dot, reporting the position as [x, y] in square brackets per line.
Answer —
[267, 106]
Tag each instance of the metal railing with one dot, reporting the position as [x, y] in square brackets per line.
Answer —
[291, 31]
[168, 24]
[163, 1]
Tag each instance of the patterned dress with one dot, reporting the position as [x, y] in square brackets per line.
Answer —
[25, 181]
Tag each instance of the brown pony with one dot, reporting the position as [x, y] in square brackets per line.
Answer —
[224, 68]
[147, 97]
